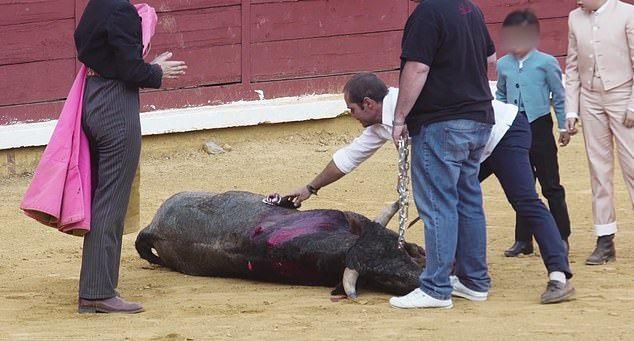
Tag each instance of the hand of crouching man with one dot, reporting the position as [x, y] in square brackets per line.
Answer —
[301, 194]
[171, 68]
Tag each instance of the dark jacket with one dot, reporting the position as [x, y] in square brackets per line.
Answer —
[108, 40]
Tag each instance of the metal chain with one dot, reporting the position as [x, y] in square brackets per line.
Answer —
[403, 188]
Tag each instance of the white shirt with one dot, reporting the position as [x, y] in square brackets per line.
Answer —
[374, 137]
[523, 60]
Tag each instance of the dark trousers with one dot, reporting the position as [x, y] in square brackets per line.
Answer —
[111, 121]
[543, 156]
[511, 165]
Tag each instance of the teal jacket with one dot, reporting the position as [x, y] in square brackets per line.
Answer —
[535, 84]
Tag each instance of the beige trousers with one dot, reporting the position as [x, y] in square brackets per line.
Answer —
[602, 114]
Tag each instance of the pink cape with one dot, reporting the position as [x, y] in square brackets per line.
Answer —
[60, 192]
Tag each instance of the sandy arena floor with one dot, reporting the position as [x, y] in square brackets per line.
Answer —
[39, 267]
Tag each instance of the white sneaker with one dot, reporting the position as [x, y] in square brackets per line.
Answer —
[419, 299]
[460, 290]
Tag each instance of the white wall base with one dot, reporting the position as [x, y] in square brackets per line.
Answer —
[238, 114]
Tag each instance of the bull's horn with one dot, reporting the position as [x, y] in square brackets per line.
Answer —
[350, 282]
[387, 214]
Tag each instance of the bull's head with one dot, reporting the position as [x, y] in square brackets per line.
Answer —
[378, 261]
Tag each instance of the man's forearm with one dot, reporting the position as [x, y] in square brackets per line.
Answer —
[329, 175]
[413, 78]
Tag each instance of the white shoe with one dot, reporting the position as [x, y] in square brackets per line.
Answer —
[460, 290]
[419, 299]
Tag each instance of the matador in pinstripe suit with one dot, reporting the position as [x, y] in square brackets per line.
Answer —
[108, 41]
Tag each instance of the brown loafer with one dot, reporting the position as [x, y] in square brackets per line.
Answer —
[557, 292]
[109, 306]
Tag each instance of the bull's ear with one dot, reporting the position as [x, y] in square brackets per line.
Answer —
[357, 259]
[374, 249]
[416, 252]
[353, 260]
[358, 223]
[368, 253]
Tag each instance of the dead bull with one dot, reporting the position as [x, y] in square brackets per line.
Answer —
[235, 234]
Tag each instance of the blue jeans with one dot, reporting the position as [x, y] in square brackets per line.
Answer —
[445, 167]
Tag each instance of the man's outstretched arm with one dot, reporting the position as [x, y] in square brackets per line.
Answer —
[344, 161]
[327, 176]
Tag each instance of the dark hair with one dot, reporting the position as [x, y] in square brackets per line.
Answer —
[524, 17]
[364, 85]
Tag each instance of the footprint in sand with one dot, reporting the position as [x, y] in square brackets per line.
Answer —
[172, 337]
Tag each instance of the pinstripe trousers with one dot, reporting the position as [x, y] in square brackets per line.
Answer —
[111, 121]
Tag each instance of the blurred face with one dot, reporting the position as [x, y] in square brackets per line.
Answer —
[368, 112]
[590, 5]
[520, 40]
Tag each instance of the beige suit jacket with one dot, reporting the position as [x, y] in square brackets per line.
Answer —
[606, 43]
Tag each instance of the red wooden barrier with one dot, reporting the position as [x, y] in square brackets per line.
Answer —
[28, 11]
[233, 47]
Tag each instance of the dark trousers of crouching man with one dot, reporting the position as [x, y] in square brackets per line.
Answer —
[545, 165]
[510, 163]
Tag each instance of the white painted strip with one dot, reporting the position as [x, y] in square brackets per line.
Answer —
[26, 134]
[238, 114]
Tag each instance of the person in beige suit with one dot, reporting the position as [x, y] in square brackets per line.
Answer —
[599, 81]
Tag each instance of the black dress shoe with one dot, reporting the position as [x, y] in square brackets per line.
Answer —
[604, 252]
[520, 248]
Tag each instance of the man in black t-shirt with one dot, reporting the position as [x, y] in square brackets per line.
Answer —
[445, 103]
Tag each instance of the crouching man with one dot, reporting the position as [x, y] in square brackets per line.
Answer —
[506, 155]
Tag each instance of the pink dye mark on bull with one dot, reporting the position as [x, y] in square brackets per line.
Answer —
[284, 228]
[279, 237]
